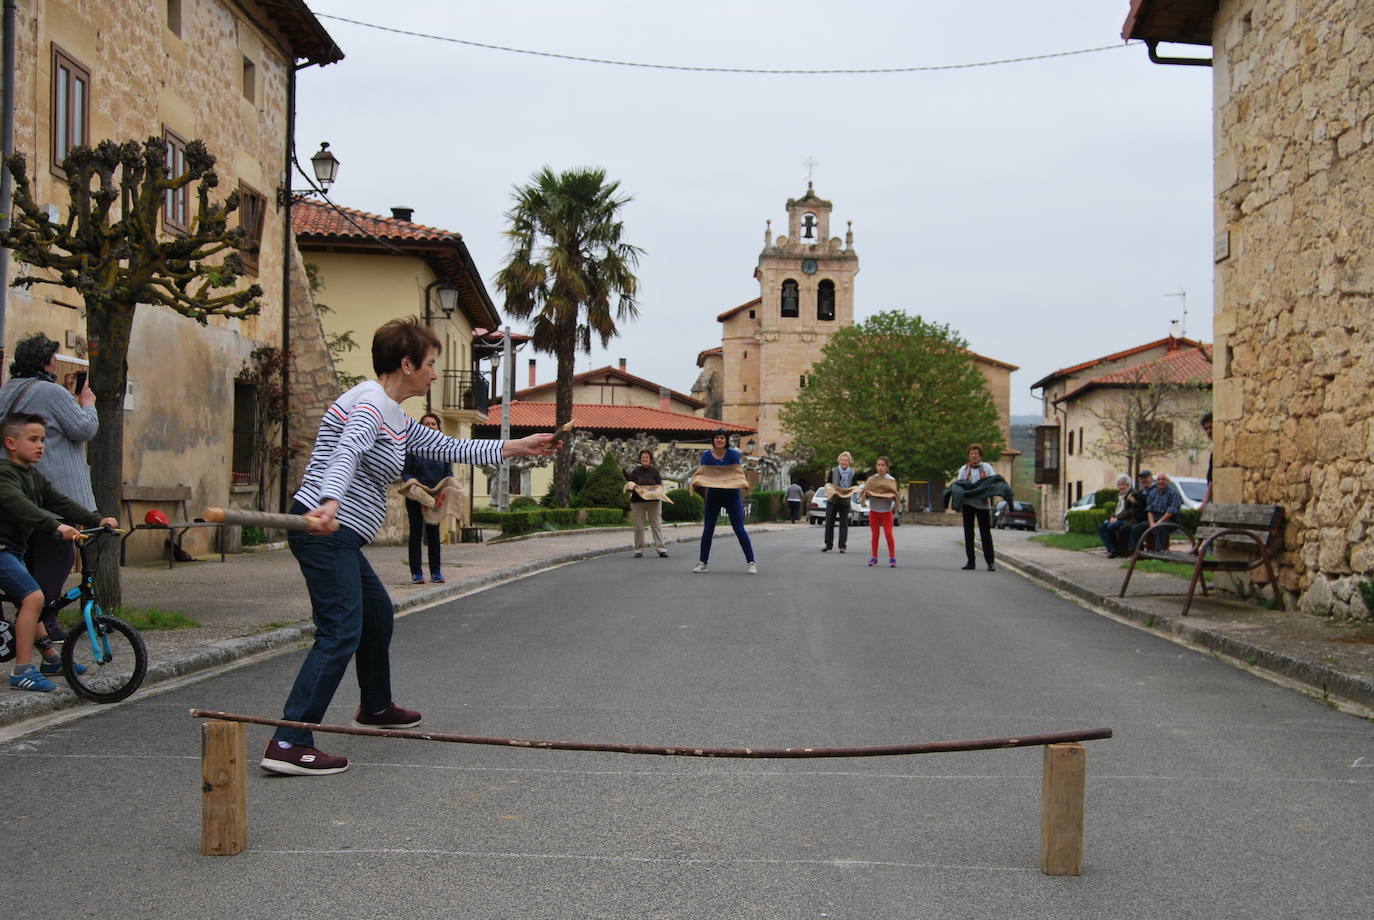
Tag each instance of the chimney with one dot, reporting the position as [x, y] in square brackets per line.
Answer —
[402, 213]
[622, 365]
[665, 399]
[532, 383]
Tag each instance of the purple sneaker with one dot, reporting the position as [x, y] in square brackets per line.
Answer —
[392, 717]
[299, 760]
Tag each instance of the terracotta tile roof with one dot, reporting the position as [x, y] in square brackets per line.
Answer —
[313, 218]
[613, 372]
[1188, 365]
[729, 313]
[703, 355]
[597, 418]
[1105, 359]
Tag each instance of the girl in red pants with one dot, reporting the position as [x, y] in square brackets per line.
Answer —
[880, 490]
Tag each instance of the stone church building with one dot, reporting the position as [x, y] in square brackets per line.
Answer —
[806, 295]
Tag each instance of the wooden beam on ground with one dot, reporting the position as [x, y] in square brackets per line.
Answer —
[224, 789]
[1061, 809]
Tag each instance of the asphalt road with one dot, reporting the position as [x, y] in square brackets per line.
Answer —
[1220, 796]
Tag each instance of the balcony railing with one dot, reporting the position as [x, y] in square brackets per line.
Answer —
[466, 390]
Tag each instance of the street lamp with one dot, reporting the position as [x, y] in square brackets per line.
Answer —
[447, 295]
[326, 167]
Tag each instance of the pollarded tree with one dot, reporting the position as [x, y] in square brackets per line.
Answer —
[571, 271]
[898, 386]
[109, 250]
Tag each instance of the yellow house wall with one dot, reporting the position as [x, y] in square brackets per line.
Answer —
[145, 79]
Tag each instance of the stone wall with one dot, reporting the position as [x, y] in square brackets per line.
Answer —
[1294, 173]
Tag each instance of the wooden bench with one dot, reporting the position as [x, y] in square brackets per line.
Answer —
[1256, 530]
[179, 497]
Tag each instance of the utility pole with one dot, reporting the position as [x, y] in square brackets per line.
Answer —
[508, 387]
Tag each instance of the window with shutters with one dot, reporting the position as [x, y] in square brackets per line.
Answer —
[245, 460]
[176, 202]
[252, 209]
[1047, 455]
[70, 108]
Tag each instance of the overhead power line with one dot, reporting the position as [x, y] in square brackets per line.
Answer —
[749, 70]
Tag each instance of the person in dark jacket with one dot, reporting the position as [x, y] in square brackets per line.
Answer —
[976, 508]
[428, 473]
[646, 474]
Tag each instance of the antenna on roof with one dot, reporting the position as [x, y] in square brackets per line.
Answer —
[1182, 324]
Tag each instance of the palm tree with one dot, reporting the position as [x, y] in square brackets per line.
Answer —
[567, 265]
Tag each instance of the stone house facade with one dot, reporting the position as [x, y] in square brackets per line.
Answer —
[372, 269]
[1293, 99]
[1080, 444]
[219, 71]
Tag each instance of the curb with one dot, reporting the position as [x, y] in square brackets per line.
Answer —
[1322, 681]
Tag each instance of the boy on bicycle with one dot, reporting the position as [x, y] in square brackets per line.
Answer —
[31, 507]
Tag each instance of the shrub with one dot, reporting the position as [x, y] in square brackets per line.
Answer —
[576, 481]
[686, 506]
[603, 515]
[1106, 498]
[768, 505]
[522, 502]
[1188, 518]
[605, 486]
[1087, 520]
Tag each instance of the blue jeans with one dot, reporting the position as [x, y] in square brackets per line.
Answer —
[352, 614]
[1109, 532]
[729, 500]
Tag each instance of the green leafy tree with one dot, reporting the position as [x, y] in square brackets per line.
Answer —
[1152, 417]
[605, 486]
[899, 386]
[571, 274]
[109, 250]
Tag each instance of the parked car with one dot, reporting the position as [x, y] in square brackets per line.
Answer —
[1087, 501]
[1013, 514]
[858, 510]
[1192, 489]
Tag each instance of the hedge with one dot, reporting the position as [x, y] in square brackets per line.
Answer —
[686, 506]
[518, 522]
[768, 505]
[1086, 520]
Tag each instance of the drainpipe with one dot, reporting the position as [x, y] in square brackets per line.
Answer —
[7, 142]
[288, 159]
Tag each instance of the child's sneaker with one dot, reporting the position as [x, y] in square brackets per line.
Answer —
[892, 563]
[753, 569]
[55, 667]
[437, 578]
[32, 680]
[699, 568]
[417, 579]
[872, 560]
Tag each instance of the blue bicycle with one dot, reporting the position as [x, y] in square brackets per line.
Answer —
[104, 659]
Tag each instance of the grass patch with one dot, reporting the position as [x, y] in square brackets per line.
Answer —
[145, 619]
[1075, 541]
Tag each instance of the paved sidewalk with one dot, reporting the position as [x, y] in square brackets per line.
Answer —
[255, 603]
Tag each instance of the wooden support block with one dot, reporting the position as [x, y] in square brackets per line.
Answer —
[1061, 809]
[224, 789]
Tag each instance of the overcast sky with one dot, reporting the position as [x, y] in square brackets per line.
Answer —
[1044, 209]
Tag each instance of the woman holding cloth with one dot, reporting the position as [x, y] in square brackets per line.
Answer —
[362, 444]
[645, 481]
[722, 478]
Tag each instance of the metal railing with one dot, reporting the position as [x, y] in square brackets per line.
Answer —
[466, 390]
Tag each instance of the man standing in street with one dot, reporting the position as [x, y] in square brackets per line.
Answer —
[839, 486]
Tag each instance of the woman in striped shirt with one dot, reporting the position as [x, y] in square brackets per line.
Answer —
[359, 451]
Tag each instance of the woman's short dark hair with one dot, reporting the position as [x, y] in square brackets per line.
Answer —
[646, 451]
[1206, 419]
[31, 356]
[437, 420]
[400, 339]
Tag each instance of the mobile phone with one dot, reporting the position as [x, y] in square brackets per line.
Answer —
[80, 383]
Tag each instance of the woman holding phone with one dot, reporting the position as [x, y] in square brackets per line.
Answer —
[71, 422]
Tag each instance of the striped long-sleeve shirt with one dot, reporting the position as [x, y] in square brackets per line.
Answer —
[360, 449]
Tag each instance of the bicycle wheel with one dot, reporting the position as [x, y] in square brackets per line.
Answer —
[115, 659]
